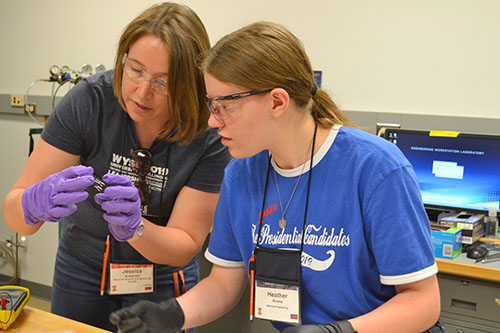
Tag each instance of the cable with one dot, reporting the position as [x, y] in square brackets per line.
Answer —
[60, 75]
[53, 88]
[55, 93]
[27, 104]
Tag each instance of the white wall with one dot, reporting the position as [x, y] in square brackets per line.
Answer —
[437, 57]
[36, 259]
[426, 57]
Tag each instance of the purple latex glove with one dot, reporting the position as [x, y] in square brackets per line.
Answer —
[122, 204]
[57, 195]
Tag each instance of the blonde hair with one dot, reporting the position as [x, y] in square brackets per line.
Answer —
[265, 55]
[186, 39]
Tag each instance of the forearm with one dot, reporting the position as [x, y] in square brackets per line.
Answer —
[14, 216]
[207, 301]
[408, 311]
[214, 296]
[166, 245]
[186, 230]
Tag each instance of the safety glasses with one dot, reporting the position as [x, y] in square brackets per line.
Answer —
[224, 111]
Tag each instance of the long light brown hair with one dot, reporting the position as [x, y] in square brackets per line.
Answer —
[186, 39]
[265, 55]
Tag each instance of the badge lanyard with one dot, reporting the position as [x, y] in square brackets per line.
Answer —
[276, 274]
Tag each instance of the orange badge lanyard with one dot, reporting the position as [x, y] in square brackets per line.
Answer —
[104, 266]
[251, 273]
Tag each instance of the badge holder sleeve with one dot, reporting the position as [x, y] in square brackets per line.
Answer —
[278, 273]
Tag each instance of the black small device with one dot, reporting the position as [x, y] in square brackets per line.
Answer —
[477, 252]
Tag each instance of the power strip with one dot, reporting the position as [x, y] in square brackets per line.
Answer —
[12, 301]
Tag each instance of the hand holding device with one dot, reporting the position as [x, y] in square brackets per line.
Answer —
[57, 195]
[146, 316]
[122, 204]
[334, 327]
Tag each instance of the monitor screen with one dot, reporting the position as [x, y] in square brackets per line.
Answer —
[456, 171]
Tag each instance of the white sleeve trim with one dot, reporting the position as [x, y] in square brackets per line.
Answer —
[223, 262]
[409, 278]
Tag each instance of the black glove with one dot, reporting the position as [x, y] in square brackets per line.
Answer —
[146, 316]
[335, 327]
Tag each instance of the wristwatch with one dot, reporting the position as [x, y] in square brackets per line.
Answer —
[138, 232]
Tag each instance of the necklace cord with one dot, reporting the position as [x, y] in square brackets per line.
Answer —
[283, 212]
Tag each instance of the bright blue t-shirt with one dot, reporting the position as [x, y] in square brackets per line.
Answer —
[366, 229]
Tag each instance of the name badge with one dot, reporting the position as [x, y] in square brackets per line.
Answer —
[275, 301]
[131, 279]
[277, 285]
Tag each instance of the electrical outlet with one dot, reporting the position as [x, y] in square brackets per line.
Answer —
[17, 100]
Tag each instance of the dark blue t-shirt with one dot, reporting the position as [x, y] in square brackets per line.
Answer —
[90, 122]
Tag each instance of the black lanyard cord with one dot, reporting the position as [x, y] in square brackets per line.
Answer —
[261, 219]
[308, 188]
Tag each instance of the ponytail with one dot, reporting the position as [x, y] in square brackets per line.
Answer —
[325, 111]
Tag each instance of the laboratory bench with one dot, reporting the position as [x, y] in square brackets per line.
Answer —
[35, 320]
[470, 294]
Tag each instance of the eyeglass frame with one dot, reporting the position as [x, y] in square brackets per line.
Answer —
[231, 97]
[153, 81]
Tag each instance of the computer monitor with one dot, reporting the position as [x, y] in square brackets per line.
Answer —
[455, 171]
